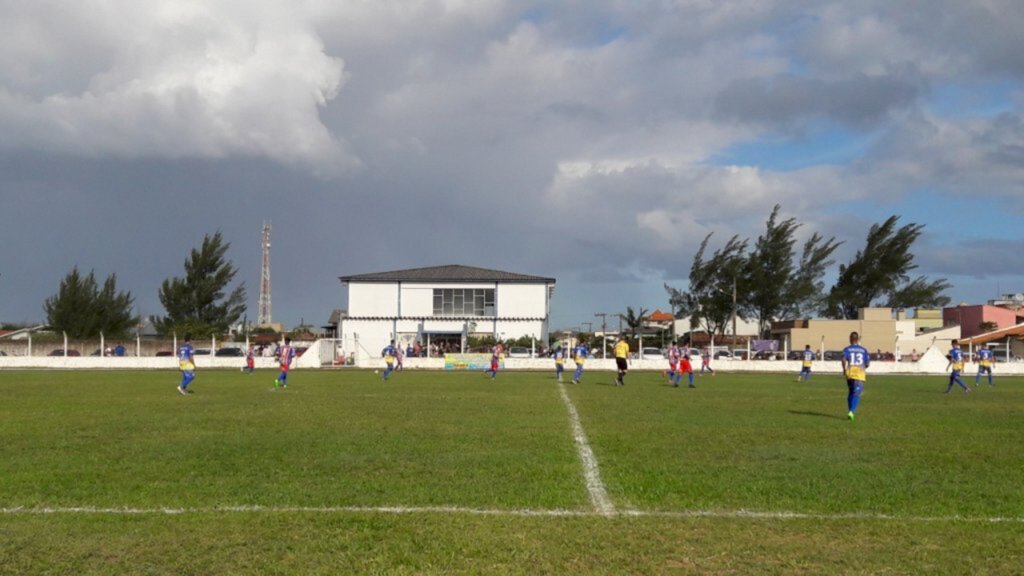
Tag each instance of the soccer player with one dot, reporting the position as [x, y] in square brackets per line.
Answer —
[496, 351]
[985, 361]
[250, 360]
[705, 361]
[398, 358]
[285, 356]
[809, 358]
[685, 368]
[621, 360]
[389, 359]
[187, 364]
[855, 363]
[956, 362]
[673, 362]
[579, 356]
[559, 356]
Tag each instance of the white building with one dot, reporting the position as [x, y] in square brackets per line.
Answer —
[442, 304]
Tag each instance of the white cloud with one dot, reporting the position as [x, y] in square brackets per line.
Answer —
[172, 79]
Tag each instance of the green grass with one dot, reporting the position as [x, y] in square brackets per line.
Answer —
[344, 439]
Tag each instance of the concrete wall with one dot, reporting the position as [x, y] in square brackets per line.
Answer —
[970, 318]
[933, 362]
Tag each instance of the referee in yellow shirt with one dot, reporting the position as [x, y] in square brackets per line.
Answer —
[621, 356]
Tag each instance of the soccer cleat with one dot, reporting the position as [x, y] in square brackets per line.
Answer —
[182, 391]
[851, 416]
[691, 386]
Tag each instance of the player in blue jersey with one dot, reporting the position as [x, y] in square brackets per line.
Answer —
[956, 362]
[985, 360]
[285, 357]
[187, 364]
[388, 353]
[808, 358]
[855, 363]
[559, 356]
[579, 356]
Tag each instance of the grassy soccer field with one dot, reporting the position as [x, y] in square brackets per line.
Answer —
[114, 472]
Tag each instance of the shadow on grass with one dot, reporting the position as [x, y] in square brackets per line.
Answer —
[818, 414]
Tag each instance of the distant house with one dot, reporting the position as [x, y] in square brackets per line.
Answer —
[442, 305]
[975, 319]
[879, 329]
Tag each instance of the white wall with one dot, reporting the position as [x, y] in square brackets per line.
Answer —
[372, 299]
[522, 300]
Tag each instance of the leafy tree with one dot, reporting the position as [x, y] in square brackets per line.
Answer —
[880, 273]
[778, 286]
[84, 310]
[197, 302]
[635, 319]
[708, 301]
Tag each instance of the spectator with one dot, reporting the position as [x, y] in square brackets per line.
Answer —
[119, 349]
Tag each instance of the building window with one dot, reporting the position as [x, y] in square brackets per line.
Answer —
[464, 302]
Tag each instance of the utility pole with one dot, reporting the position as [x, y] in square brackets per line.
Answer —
[604, 333]
[734, 310]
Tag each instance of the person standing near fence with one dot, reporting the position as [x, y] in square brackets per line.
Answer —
[187, 364]
[808, 359]
[705, 361]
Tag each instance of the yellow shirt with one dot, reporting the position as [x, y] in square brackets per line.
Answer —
[621, 349]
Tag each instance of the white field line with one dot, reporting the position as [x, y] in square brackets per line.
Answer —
[522, 512]
[591, 473]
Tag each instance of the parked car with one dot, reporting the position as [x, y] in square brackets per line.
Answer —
[833, 355]
[740, 353]
[230, 352]
[795, 355]
[723, 354]
[201, 352]
[164, 353]
[518, 352]
[60, 352]
[651, 353]
[999, 355]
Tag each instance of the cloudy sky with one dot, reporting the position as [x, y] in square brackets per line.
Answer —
[596, 141]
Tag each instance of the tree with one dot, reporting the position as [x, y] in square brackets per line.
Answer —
[880, 274]
[83, 310]
[635, 319]
[778, 286]
[197, 302]
[708, 301]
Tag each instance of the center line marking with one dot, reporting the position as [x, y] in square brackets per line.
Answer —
[591, 473]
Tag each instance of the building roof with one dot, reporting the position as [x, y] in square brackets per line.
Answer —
[659, 316]
[1012, 331]
[451, 273]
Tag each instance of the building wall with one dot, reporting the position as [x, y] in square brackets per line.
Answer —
[373, 299]
[367, 336]
[874, 334]
[970, 318]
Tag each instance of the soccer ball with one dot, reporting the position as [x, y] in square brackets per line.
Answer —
[376, 371]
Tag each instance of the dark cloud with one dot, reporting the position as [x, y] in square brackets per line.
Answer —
[860, 101]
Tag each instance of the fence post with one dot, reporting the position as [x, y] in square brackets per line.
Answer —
[65, 344]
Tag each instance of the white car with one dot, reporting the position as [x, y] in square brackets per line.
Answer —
[519, 352]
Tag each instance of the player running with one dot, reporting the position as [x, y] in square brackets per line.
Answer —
[285, 356]
[855, 363]
[685, 368]
[496, 351]
[985, 361]
[621, 360]
[559, 356]
[956, 362]
[805, 371]
[673, 362]
[388, 353]
[705, 361]
[579, 356]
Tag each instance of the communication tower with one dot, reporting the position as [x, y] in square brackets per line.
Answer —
[264, 307]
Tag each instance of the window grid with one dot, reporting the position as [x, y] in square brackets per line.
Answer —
[464, 302]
